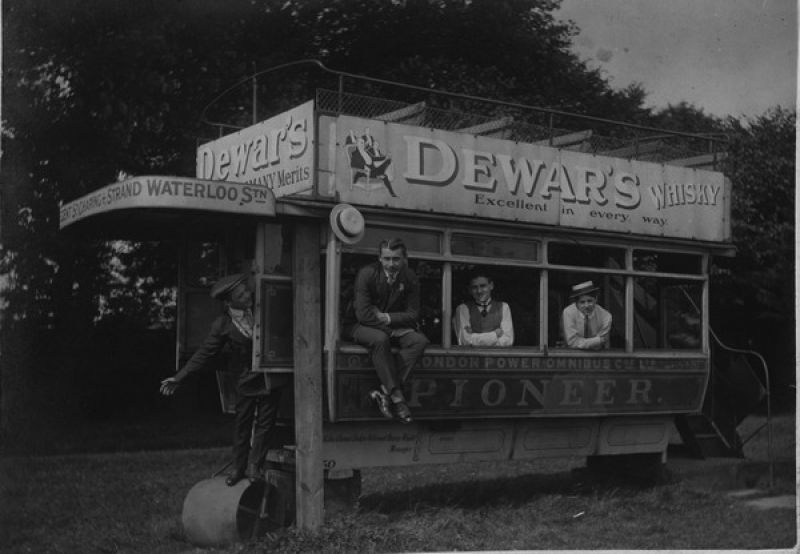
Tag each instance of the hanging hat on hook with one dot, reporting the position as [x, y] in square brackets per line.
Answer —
[347, 223]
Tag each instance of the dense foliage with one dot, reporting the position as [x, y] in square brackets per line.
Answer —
[93, 88]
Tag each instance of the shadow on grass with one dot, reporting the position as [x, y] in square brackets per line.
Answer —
[511, 491]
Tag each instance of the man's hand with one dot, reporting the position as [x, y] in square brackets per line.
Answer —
[384, 318]
[169, 385]
[498, 332]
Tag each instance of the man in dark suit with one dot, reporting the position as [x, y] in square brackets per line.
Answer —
[257, 395]
[385, 313]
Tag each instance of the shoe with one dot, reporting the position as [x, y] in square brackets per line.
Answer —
[383, 403]
[234, 478]
[403, 413]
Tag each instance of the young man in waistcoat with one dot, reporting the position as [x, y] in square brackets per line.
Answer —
[483, 321]
[587, 325]
[385, 313]
[257, 395]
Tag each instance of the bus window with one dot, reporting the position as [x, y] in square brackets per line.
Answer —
[517, 287]
[277, 249]
[277, 324]
[202, 263]
[667, 262]
[430, 282]
[416, 240]
[585, 255]
[495, 247]
[611, 297]
[430, 279]
[667, 314]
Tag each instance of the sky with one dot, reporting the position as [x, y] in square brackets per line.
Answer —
[728, 57]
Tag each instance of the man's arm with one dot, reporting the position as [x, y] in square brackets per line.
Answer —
[507, 325]
[572, 335]
[464, 332]
[409, 316]
[605, 327]
[365, 309]
[201, 359]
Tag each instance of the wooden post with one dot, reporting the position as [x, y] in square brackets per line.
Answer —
[309, 484]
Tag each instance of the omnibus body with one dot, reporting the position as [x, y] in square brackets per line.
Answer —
[538, 216]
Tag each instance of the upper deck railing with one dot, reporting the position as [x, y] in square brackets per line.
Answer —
[357, 95]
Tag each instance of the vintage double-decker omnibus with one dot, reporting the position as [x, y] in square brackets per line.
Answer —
[538, 211]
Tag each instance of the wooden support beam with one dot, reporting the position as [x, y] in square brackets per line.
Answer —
[403, 114]
[309, 485]
[489, 128]
[567, 140]
[704, 161]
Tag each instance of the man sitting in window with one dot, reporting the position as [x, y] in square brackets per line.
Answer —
[385, 313]
[483, 321]
[586, 324]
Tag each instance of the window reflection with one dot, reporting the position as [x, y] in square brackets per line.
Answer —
[667, 314]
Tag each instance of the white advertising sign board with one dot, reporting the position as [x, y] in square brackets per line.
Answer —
[376, 163]
[277, 153]
[154, 192]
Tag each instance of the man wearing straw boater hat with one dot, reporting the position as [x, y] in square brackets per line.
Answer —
[257, 395]
[586, 323]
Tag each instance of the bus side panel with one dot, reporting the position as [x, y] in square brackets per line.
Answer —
[579, 386]
[381, 444]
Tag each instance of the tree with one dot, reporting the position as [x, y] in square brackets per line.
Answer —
[754, 292]
[93, 88]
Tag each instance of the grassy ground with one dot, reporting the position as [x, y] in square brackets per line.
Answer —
[131, 502]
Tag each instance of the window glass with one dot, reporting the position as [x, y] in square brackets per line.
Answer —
[430, 278]
[240, 248]
[517, 287]
[494, 247]
[610, 297]
[667, 314]
[585, 255]
[667, 262]
[277, 323]
[430, 281]
[415, 240]
[277, 249]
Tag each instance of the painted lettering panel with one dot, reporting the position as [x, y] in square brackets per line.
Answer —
[475, 386]
[376, 163]
[277, 153]
[173, 193]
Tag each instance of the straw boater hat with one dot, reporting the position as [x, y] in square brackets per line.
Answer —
[347, 223]
[227, 284]
[587, 287]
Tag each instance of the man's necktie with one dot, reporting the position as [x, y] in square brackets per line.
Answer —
[390, 279]
[484, 309]
[586, 330]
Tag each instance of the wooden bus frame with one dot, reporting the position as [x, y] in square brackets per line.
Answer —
[535, 399]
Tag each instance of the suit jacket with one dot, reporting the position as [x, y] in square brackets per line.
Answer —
[226, 344]
[373, 295]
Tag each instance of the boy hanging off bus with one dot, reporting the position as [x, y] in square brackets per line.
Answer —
[385, 313]
[586, 324]
[483, 321]
[257, 395]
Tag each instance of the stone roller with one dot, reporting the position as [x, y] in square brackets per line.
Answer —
[216, 514]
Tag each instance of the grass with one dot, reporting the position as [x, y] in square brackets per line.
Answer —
[132, 501]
